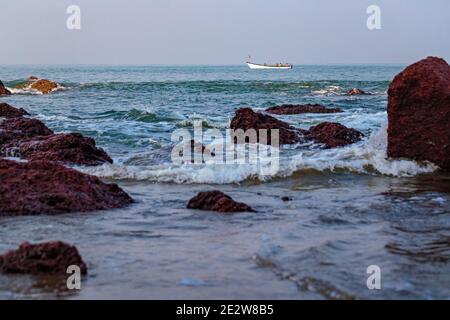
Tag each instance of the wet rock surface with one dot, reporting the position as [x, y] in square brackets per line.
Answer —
[333, 135]
[49, 258]
[8, 111]
[69, 148]
[298, 109]
[356, 91]
[419, 113]
[246, 118]
[217, 201]
[44, 86]
[43, 187]
[3, 90]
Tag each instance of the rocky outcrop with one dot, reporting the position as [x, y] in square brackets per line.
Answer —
[419, 113]
[3, 90]
[333, 135]
[7, 111]
[14, 130]
[329, 134]
[246, 118]
[43, 187]
[69, 148]
[42, 85]
[305, 108]
[217, 201]
[356, 91]
[49, 258]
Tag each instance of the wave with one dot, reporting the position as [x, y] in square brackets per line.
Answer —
[367, 157]
[30, 91]
[135, 115]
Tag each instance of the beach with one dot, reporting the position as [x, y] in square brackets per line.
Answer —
[347, 208]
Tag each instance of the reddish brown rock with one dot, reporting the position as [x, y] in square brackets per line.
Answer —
[7, 111]
[42, 85]
[356, 91]
[246, 119]
[332, 134]
[217, 201]
[297, 109]
[50, 258]
[3, 90]
[419, 113]
[69, 148]
[43, 187]
[13, 130]
[29, 127]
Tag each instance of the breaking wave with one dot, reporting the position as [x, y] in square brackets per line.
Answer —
[367, 157]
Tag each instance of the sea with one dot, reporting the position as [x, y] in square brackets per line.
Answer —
[352, 215]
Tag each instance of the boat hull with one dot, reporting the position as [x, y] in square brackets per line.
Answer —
[262, 66]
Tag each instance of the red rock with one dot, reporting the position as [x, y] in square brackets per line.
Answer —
[69, 148]
[333, 134]
[7, 111]
[43, 187]
[217, 201]
[3, 90]
[50, 258]
[28, 127]
[297, 109]
[356, 91]
[419, 113]
[17, 129]
[246, 119]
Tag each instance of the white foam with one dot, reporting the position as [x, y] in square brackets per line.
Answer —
[368, 156]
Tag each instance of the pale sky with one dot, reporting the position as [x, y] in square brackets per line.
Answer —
[222, 31]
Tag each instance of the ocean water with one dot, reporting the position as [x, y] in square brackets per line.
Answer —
[351, 207]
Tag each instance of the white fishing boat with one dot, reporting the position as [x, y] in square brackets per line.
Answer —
[252, 65]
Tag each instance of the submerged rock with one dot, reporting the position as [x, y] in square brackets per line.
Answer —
[3, 90]
[305, 108]
[51, 258]
[69, 148]
[217, 201]
[7, 111]
[246, 118]
[356, 91]
[419, 113]
[333, 134]
[43, 187]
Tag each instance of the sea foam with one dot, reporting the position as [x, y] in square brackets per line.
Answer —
[367, 157]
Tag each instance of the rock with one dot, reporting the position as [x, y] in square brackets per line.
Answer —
[69, 148]
[246, 118]
[49, 258]
[356, 91]
[217, 201]
[419, 113]
[17, 129]
[42, 85]
[333, 134]
[297, 109]
[3, 90]
[7, 111]
[286, 198]
[43, 187]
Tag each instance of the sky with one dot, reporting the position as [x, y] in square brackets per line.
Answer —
[223, 31]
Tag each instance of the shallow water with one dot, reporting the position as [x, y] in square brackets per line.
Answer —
[350, 208]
